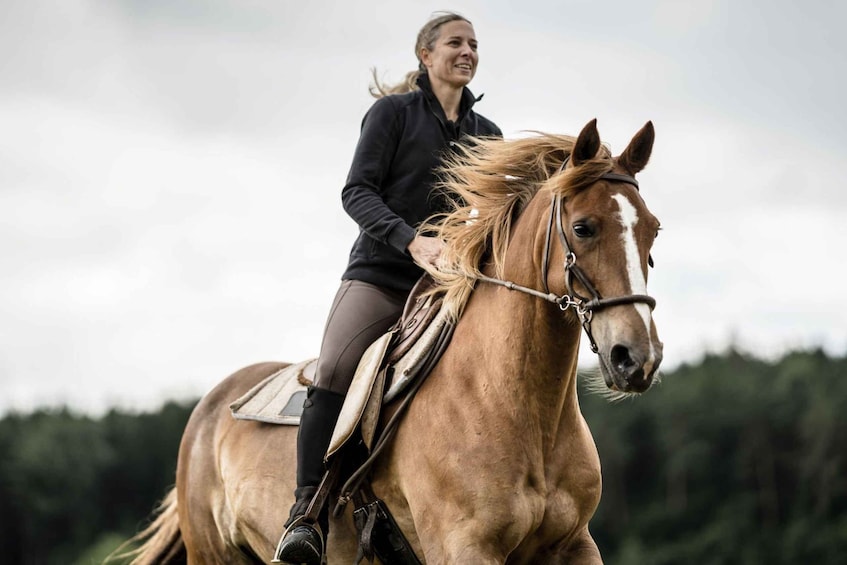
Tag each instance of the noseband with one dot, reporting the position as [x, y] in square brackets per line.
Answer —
[583, 306]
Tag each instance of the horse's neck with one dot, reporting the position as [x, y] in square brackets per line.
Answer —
[526, 348]
[532, 340]
[516, 367]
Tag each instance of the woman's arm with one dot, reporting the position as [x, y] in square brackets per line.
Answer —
[362, 195]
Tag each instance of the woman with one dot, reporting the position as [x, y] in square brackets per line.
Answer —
[389, 192]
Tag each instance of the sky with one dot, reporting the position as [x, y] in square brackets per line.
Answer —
[170, 172]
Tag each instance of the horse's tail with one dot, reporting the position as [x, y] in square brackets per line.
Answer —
[161, 541]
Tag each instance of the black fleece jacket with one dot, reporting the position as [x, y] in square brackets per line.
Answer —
[389, 189]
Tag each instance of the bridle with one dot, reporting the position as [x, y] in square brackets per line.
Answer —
[583, 306]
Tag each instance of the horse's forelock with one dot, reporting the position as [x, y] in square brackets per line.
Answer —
[575, 179]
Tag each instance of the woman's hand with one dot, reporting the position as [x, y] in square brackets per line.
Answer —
[425, 250]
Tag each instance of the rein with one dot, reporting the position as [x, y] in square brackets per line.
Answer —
[584, 307]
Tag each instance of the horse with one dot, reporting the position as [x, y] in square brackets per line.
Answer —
[493, 461]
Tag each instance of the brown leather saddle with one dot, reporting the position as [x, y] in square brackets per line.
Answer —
[421, 308]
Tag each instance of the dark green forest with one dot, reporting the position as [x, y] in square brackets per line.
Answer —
[733, 460]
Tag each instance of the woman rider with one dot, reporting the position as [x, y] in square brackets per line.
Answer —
[389, 192]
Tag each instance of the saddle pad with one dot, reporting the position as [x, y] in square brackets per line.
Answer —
[278, 399]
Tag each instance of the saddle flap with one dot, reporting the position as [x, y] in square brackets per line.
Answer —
[361, 391]
[421, 351]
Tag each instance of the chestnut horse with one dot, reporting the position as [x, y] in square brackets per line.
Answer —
[493, 461]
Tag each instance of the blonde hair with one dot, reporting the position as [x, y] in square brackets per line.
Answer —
[427, 37]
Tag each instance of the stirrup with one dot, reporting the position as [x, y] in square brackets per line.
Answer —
[301, 521]
[311, 516]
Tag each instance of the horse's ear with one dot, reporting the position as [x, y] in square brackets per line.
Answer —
[637, 153]
[587, 143]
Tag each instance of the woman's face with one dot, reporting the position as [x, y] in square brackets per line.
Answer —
[453, 58]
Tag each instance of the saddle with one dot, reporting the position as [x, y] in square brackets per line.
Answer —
[401, 354]
[421, 308]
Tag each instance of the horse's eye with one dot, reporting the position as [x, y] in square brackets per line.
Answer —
[583, 230]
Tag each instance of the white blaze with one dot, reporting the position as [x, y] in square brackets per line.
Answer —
[637, 282]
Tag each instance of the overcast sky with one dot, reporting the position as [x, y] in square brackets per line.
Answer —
[170, 171]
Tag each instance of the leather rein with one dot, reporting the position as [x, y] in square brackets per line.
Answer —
[583, 306]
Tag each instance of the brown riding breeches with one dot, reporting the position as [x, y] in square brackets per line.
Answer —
[360, 313]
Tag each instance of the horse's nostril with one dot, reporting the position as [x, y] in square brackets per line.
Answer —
[628, 366]
[621, 360]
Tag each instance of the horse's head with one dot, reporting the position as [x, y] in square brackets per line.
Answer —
[597, 246]
[606, 232]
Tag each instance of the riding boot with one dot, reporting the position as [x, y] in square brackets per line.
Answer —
[304, 543]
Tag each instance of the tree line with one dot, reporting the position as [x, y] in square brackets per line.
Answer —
[732, 460]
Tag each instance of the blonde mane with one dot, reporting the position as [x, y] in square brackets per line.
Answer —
[489, 184]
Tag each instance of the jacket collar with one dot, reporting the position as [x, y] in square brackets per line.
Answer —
[468, 99]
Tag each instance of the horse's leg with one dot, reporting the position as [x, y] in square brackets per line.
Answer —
[258, 466]
[260, 479]
[210, 525]
[462, 543]
[583, 551]
[450, 519]
[236, 481]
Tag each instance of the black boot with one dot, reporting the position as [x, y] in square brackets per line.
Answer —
[304, 542]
